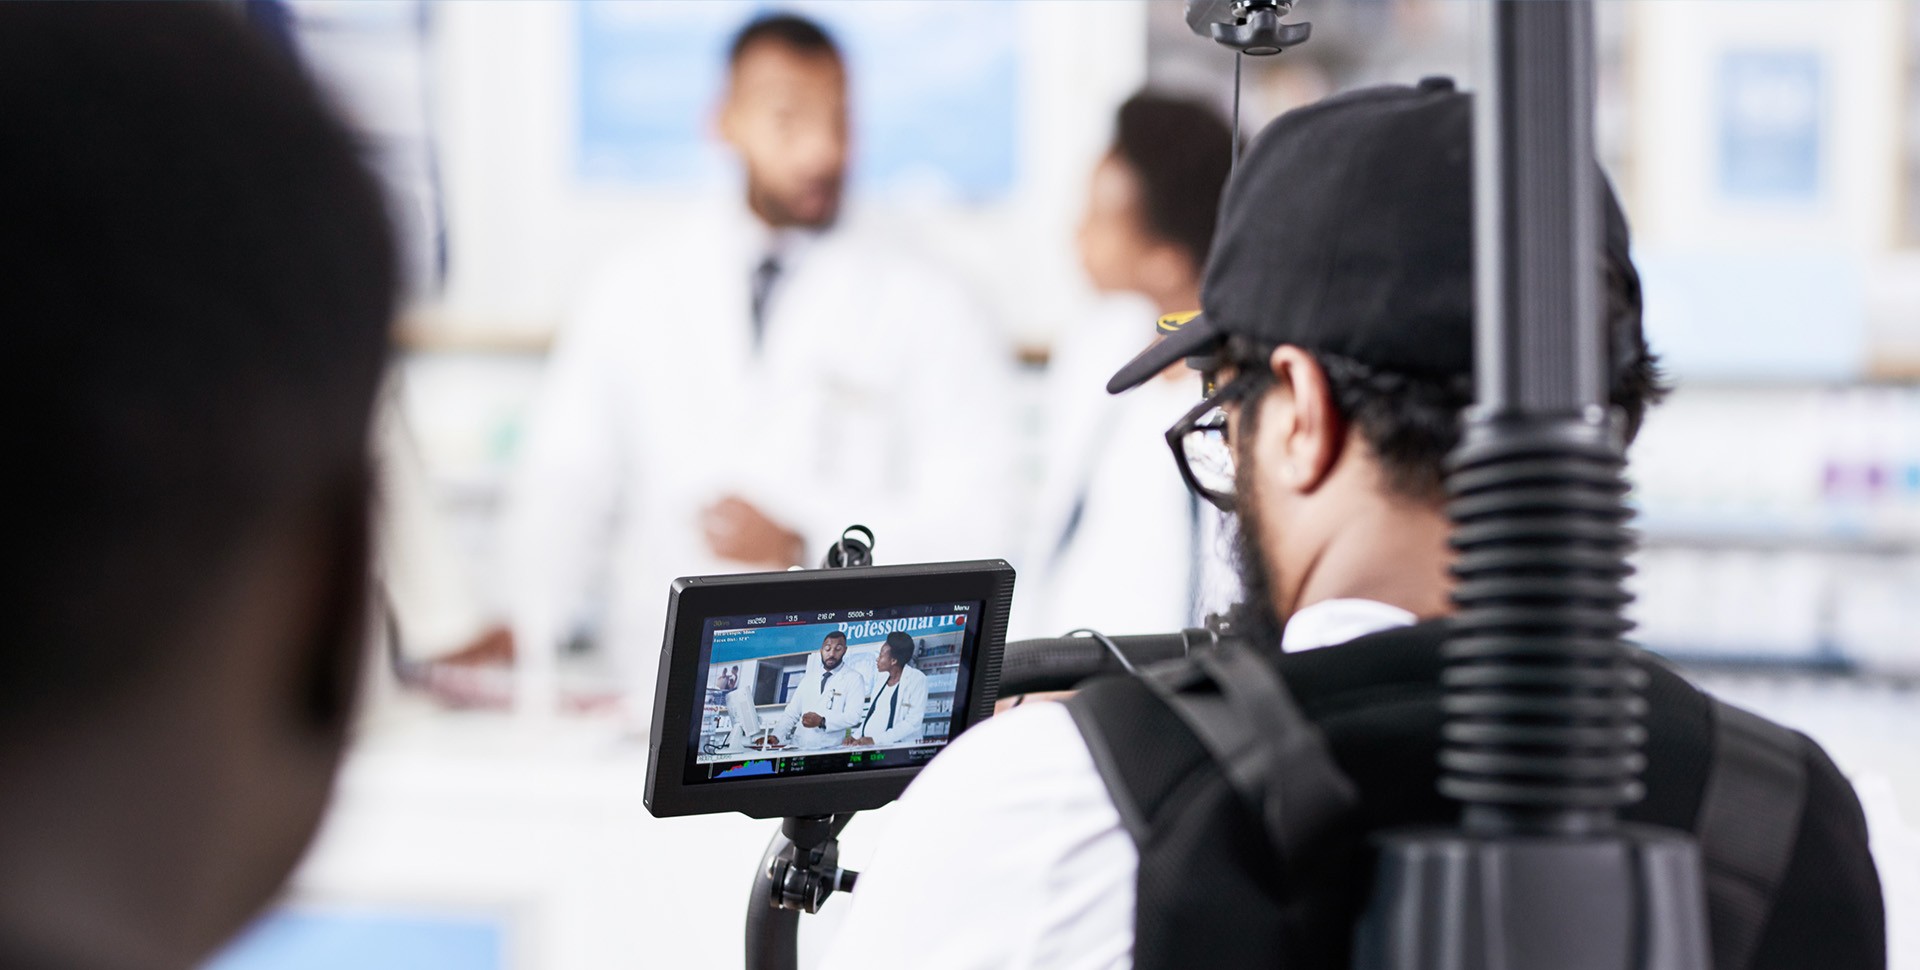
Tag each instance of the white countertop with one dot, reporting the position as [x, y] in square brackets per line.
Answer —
[542, 827]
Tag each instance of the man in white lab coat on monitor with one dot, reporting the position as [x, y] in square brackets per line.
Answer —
[737, 390]
[897, 699]
[822, 708]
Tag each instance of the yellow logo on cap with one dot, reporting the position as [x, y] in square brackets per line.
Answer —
[1174, 321]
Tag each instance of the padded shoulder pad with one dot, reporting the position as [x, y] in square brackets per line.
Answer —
[1749, 822]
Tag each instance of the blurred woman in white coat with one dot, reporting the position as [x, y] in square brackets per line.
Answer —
[1119, 544]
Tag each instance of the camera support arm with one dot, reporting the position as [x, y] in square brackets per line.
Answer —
[806, 869]
[1542, 739]
[800, 869]
[801, 866]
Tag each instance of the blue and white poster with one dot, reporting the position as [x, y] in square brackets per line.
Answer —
[1771, 104]
[934, 90]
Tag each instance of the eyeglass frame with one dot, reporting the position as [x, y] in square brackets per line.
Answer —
[1250, 379]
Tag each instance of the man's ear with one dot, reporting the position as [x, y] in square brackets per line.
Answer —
[1306, 441]
[721, 122]
[724, 120]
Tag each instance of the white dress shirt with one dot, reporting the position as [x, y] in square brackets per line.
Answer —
[894, 713]
[876, 398]
[1031, 863]
[836, 696]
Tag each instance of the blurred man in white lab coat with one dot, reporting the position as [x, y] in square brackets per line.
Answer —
[897, 699]
[1119, 544]
[821, 709]
[736, 390]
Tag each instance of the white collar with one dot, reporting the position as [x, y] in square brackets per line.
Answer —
[905, 675]
[1328, 622]
[789, 246]
[757, 240]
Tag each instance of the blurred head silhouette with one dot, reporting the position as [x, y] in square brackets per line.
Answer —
[785, 115]
[199, 285]
[1153, 199]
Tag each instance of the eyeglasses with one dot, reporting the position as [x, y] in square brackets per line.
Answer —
[1199, 439]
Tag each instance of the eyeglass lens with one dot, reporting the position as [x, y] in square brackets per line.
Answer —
[1208, 453]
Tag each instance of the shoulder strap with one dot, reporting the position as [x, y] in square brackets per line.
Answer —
[1241, 713]
[1276, 760]
[1749, 821]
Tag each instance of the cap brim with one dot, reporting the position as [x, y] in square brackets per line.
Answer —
[1194, 337]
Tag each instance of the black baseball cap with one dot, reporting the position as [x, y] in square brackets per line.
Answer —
[1348, 229]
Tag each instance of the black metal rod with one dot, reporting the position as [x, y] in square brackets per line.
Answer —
[1540, 343]
[773, 933]
[1543, 705]
[1542, 739]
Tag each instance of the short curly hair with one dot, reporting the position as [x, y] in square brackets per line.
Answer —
[1412, 422]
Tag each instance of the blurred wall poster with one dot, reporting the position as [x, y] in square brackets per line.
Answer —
[1770, 107]
[935, 91]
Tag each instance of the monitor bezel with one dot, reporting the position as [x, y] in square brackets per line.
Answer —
[694, 599]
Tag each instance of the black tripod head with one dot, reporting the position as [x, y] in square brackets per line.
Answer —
[1247, 26]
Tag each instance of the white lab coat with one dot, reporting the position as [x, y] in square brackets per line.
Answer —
[876, 399]
[835, 696]
[894, 712]
[1145, 556]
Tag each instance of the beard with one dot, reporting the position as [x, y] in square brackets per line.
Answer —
[817, 206]
[1254, 618]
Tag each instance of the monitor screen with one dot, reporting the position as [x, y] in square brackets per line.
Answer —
[831, 690]
[819, 692]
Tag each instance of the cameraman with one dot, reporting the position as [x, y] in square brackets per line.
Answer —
[1339, 326]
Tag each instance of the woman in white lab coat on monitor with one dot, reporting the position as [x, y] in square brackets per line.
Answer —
[897, 705]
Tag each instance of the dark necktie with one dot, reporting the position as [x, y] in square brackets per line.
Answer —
[823, 681]
[764, 276]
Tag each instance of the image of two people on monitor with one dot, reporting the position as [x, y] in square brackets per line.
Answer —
[887, 691]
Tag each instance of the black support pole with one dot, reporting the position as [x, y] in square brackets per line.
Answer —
[1541, 744]
[1538, 209]
[1543, 732]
